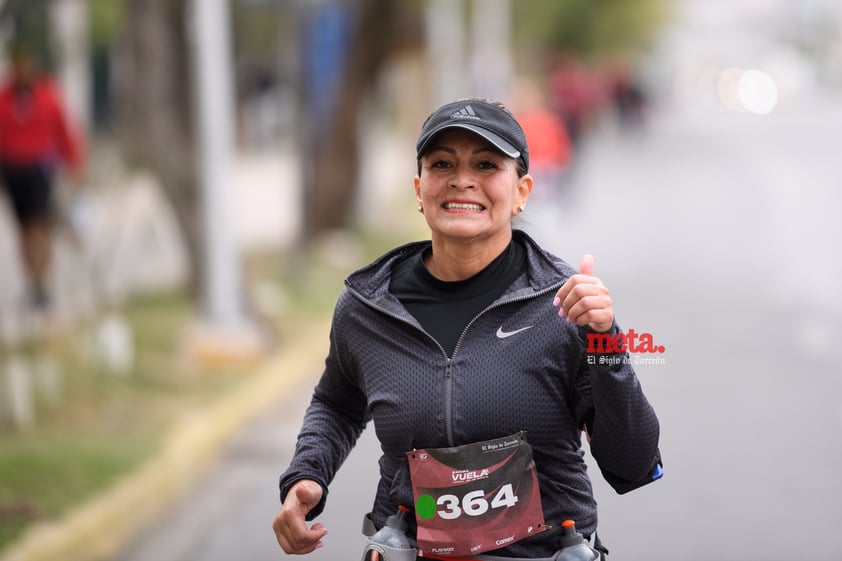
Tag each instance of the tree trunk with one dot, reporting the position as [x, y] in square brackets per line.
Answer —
[331, 185]
[155, 120]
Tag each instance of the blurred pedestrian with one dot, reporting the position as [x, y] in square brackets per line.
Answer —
[577, 94]
[627, 95]
[550, 147]
[462, 347]
[36, 137]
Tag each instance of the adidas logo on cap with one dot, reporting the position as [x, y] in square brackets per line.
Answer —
[466, 112]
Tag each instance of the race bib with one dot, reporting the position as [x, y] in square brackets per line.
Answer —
[477, 497]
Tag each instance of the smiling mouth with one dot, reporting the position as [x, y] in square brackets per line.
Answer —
[463, 206]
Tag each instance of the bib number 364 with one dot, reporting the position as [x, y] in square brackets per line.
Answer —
[475, 497]
[475, 503]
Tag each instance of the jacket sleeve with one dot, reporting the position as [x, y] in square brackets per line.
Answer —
[333, 422]
[67, 136]
[620, 424]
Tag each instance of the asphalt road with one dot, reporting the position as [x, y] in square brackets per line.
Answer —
[719, 237]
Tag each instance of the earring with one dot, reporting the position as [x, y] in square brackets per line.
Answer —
[521, 208]
[421, 209]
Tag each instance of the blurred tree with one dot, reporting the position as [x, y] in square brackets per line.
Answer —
[256, 40]
[28, 22]
[105, 21]
[154, 113]
[378, 28]
[152, 70]
[590, 28]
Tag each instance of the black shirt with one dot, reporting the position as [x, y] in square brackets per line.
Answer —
[445, 308]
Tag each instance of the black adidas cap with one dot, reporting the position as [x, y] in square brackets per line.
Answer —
[492, 123]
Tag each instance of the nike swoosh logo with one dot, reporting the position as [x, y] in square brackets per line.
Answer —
[503, 334]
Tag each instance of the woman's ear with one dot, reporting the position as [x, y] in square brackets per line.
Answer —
[417, 182]
[522, 191]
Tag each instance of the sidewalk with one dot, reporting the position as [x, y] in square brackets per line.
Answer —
[133, 245]
[98, 529]
[265, 207]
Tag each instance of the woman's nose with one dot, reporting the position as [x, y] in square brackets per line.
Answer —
[463, 178]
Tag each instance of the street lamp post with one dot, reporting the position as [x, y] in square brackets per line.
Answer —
[224, 331]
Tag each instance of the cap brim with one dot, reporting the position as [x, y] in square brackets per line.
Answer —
[495, 139]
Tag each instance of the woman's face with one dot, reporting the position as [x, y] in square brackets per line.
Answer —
[468, 190]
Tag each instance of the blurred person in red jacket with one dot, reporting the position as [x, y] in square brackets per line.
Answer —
[36, 137]
[550, 146]
[578, 94]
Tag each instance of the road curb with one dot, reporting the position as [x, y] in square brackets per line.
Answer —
[98, 529]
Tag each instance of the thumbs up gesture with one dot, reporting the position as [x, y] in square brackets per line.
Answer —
[584, 300]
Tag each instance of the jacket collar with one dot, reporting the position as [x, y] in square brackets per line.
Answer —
[544, 270]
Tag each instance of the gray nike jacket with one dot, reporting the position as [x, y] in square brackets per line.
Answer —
[383, 366]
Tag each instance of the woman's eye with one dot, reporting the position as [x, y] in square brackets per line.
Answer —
[487, 164]
[440, 164]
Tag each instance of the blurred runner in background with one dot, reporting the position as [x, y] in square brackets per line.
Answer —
[35, 138]
[577, 94]
[550, 146]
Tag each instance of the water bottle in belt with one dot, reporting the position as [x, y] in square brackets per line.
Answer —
[573, 545]
[391, 542]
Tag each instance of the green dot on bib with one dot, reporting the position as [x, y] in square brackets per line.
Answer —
[425, 507]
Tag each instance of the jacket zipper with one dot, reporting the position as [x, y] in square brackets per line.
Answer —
[448, 372]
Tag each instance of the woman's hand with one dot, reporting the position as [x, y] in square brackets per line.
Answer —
[584, 300]
[290, 526]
